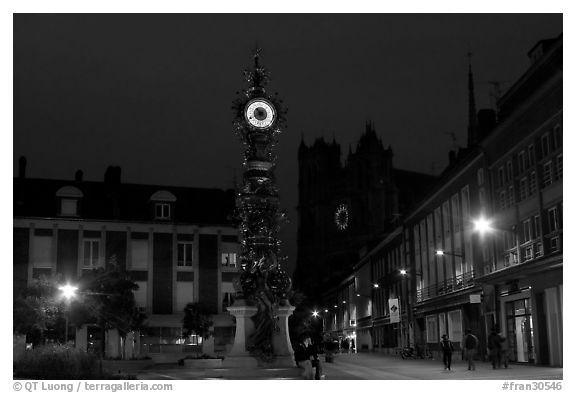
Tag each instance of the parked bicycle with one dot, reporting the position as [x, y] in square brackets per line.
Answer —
[406, 352]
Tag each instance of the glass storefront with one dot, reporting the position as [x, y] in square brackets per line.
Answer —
[519, 330]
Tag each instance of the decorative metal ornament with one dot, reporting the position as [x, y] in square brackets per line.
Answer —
[260, 113]
[341, 216]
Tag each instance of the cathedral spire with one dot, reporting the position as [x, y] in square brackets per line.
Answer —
[471, 105]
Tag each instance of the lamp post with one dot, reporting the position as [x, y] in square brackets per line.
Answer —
[405, 273]
[68, 292]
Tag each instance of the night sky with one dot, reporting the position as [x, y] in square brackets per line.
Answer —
[152, 93]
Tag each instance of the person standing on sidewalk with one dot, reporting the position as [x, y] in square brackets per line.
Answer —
[447, 349]
[470, 348]
[302, 357]
[494, 344]
[504, 350]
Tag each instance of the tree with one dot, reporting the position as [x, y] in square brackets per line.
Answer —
[106, 298]
[197, 320]
[38, 310]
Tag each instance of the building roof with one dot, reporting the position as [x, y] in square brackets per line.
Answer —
[123, 202]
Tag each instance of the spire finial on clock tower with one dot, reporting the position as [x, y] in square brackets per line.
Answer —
[256, 54]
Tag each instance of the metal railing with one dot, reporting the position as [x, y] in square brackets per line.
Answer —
[444, 287]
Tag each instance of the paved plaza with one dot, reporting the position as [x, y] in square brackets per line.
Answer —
[373, 366]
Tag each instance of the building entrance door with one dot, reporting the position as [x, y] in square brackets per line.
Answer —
[519, 331]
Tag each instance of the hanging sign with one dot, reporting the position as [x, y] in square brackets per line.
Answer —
[394, 308]
[475, 299]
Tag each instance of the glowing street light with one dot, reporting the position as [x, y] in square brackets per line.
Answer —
[315, 314]
[376, 285]
[403, 272]
[68, 291]
[482, 225]
[441, 253]
[326, 310]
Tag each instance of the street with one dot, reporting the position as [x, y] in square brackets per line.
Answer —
[373, 366]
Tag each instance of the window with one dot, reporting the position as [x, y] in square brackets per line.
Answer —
[162, 211]
[503, 200]
[553, 223]
[185, 252]
[69, 207]
[554, 244]
[42, 251]
[227, 300]
[139, 254]
[456, 212]
[91, 253]
[482, 196]
[526, 231]
[480, 175]
[536, 226]
[509, 241]
[511, 199]
[184, 295]
[532, 183]
[229, 259]
[501, 179]
[547, 173]
[557, 135]
[545, 144]
[538, 251]
[509, 171]
[531, 156]
[455, 326]
[523, 188]
[442, 325]
[522, 161]
[528, 253]
[68, 197]
[140, 294]
[559, 166]
[431, 329]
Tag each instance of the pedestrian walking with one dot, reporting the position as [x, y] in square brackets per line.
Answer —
[504, 353]
[447, 349]
[470, 348]
[302, 357]
[315, 361]
[494, 345]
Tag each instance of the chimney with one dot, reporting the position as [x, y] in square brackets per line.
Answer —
[112, 175]
[79, 175]
[22, 167]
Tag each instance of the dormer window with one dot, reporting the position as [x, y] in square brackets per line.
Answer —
[163, 205]
[68, 200]
[162, 211]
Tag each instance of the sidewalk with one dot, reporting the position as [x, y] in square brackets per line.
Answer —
[370, 366]
[381, 366]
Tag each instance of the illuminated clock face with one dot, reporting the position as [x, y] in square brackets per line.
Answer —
[341, 217]
[260, 113]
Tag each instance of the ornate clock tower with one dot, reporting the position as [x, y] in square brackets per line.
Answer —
[262, 308]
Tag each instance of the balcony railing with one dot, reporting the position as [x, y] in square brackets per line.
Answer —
[447, 286]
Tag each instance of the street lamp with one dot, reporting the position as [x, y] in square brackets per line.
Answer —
[482, 225]
[442, 253]
[68, 292]
[375, 285]
[315, 314]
